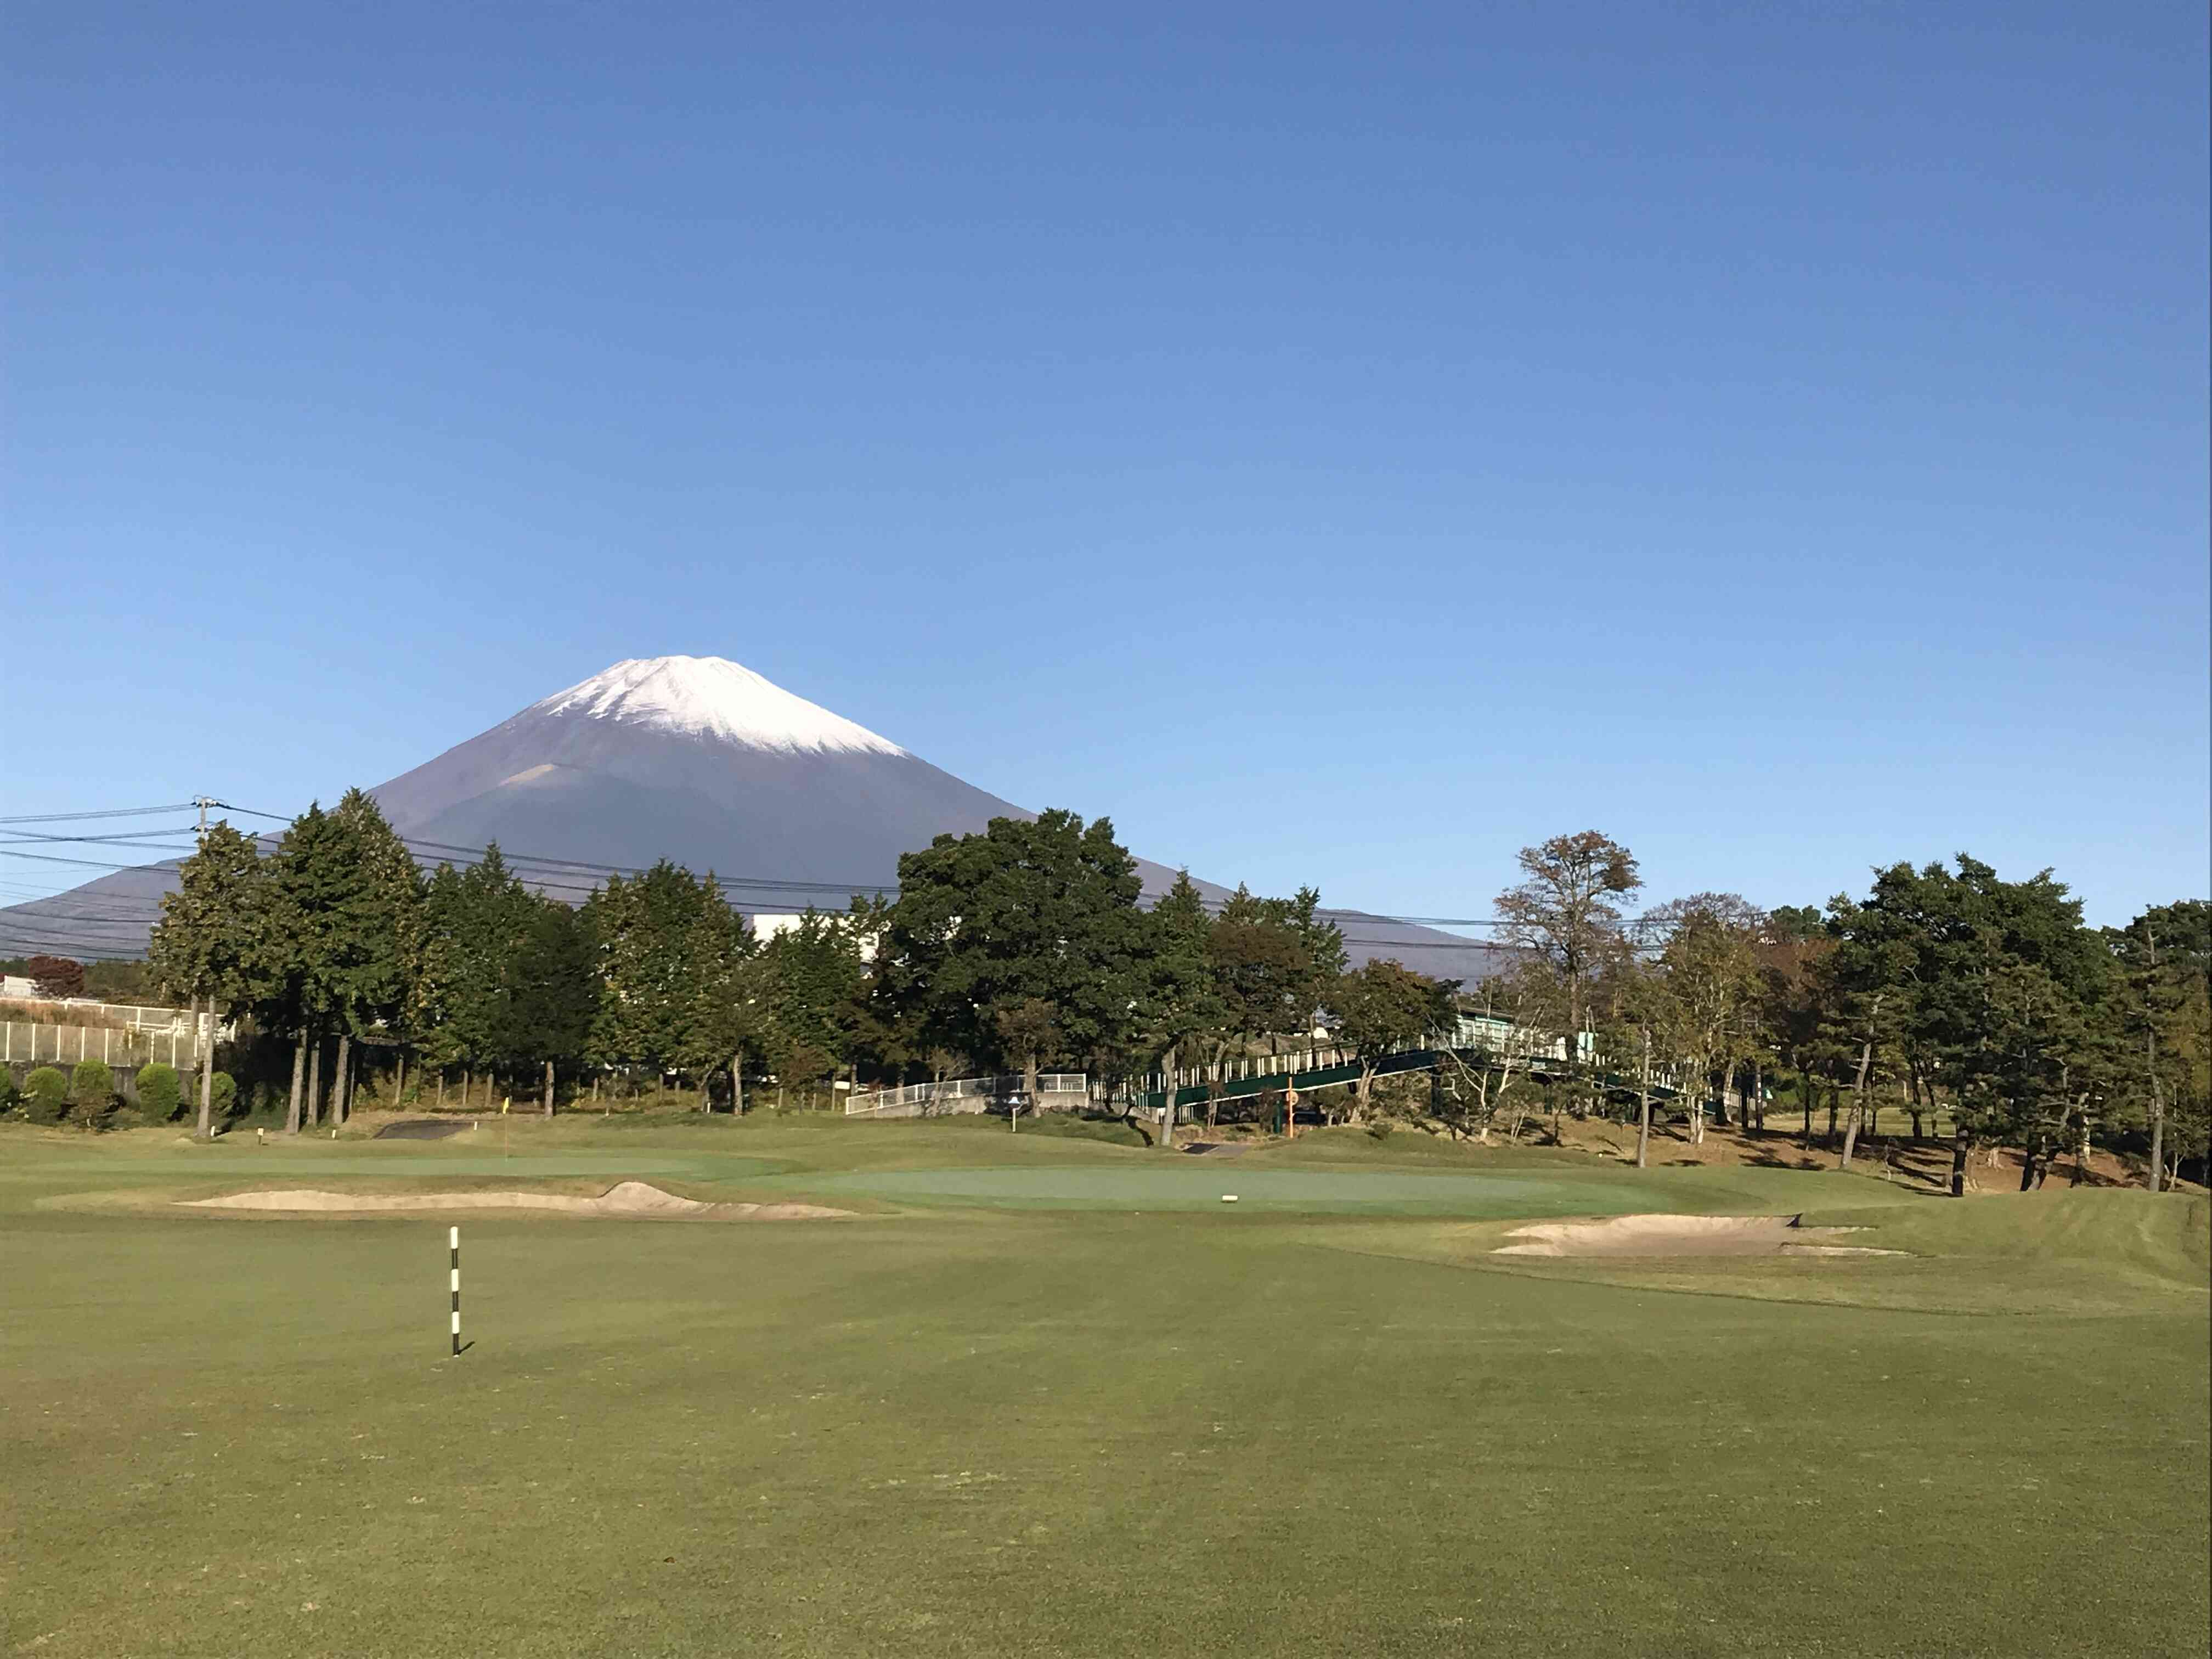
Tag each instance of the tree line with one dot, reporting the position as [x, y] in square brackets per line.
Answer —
[1021, 947]
[1945, 992]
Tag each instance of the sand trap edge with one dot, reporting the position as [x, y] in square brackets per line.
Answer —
[1682, 1234]
[628, 1199]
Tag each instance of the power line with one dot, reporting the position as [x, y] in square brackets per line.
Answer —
[539, 870]
[133, 838]
[88, 864]
[111, 812]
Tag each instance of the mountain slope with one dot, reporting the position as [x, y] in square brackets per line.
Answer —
[694, 759]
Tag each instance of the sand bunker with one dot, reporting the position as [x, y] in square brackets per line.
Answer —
[1683, 1235]
[628, 1198]
[421, 1128]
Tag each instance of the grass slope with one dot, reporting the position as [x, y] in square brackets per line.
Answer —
[989, 1429]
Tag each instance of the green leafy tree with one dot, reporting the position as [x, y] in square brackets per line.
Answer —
[1647, 1024]
[650, 933]
[293, 999]
[551, 995]
[1381, 1008]
[115, 980]
[213, 943]
[1709, 956]
[1041, 912]
[726, 1018]
[2043, 1066]
[1027, 1031]
[807, 994]
[1513, 1014]
[475, 928]
[1997, 989]
[1793, 1009]
[1797, 923]
[1275, 962]
[1180, 1000]
[877, 1034]
[370, 936]
[2165, 960]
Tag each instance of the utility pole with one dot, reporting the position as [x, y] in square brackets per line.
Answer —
[207, 1040]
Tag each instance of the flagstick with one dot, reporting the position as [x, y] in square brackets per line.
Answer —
[453, 1240]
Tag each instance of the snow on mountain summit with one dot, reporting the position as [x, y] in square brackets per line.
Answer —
[713, 696]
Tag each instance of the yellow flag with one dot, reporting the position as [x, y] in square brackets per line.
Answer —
[504, 1104]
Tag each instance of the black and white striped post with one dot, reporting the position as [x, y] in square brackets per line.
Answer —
[453, 1238]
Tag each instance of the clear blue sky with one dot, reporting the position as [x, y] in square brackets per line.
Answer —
[1343, 444]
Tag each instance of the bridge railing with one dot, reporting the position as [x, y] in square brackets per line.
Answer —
[966, 1094]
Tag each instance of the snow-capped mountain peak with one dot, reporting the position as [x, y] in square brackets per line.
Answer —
[713, 696]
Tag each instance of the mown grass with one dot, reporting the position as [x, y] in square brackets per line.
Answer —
[970, 1430]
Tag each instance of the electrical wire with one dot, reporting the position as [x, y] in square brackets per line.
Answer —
[537, 871]
[111, 812]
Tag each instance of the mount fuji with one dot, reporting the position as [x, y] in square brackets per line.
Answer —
[694, 759]
[701, 761]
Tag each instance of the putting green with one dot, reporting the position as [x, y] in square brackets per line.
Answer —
[1308, 1191]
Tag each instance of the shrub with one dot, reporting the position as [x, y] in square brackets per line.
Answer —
[92, 1084]
[92, 1092]
[45, 1095]
[223, 1091]
[160, 1093]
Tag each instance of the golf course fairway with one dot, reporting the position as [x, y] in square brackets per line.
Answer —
[1048, 1396]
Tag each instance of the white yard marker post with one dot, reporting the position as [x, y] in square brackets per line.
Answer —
[453, 1239]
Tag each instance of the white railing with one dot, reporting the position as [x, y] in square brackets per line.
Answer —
[1251, 1066]
[139, 1016]
[966, 1094]
[65, 1045]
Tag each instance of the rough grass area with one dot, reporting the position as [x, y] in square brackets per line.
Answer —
[956, 1427]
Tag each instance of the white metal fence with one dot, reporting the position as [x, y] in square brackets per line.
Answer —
[966, 1094]
[65, 1045]
[139, 1016]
